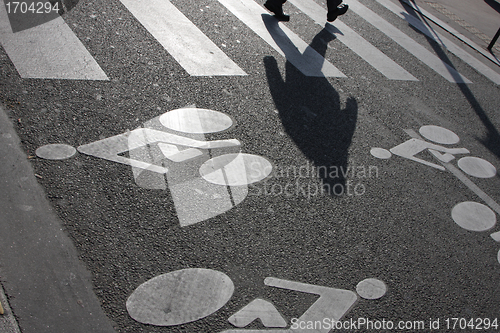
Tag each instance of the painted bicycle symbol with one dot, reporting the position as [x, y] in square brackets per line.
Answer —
[205, 178]
[188, 295]
[472, 216]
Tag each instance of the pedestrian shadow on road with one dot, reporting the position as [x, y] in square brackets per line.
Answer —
[311, 110]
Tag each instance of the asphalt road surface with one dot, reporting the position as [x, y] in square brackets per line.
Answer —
[352, 174]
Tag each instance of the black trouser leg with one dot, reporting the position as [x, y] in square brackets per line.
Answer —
[276, 6]
[332, 4]
[335, 8]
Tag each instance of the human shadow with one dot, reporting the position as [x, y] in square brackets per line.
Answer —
[311, 112]
[492, 139]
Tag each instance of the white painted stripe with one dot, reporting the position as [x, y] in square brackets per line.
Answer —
[48, 51]
[452, 47]
[194, 51]
[280, 38]
[427, 57]
[355, 42]
[455, 33]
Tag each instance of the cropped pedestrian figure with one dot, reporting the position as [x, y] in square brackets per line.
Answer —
[335, 9]
[276, 7]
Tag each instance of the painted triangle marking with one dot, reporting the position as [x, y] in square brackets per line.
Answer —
[258, 309]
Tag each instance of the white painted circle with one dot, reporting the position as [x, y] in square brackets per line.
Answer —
[473, 216]
[56, 151]
[193, 120]
[439, 134]
[371, 288]
[477, 167]
[180, 297]
[235, 169]
[381, 153]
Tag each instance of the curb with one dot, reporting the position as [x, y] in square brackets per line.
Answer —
[464, 24]
[483, 51]
[49, 288]
[8, 323]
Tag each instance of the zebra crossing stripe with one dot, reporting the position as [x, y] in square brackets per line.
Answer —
[48, 51]
[192, 49]
[427, 57]
[440, 39]
[355, 42]
[282, 39]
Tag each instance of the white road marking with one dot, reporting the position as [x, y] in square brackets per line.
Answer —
[355, 42]
[439, 134]
[201, 186]
[180, 297]
[258, 309]
[192, 49]
[440, 39]
[473, 216]
[333, 303]
[420, 52]
[496, 236]
[173, 153]
[195, 120]
[461, 176]
[477, 167]
[281, 39]
[55, 151]
[48, 51]
[371, 288]
[380, 153]
[235, 169]
[190, 294]
[473, 187]
[195, 200]
[412, 147]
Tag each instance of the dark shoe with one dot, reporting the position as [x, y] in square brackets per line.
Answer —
[276, 7]
[284, 18]
[333, 14]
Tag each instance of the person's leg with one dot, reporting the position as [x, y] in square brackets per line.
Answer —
[335, 8]
[276, 7]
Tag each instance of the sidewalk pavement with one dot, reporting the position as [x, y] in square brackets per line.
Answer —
[478, 20]
[48, 287]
